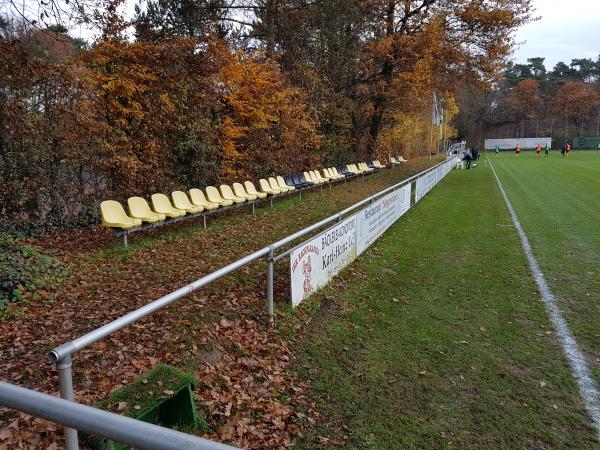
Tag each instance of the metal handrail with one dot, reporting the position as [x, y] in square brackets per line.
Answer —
[62, 354]
[101, 423]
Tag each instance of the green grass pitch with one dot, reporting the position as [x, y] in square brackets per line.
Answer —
[437, 337]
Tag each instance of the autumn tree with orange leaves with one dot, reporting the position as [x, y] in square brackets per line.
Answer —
[215, 90]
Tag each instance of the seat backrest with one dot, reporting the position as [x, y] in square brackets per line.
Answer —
[113, 211]
[213, 195]
[181, 200]
[313, 175]
[139, 207]
[198, 197]
[327, 173]
[161, 203]
[250, 188]
[307, 177]
[226, 192]
[273, 184]
[239, 190]
[281, 182]
[288, 180]
[264, 185]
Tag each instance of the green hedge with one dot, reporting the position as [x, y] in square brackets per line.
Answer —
[26, 273]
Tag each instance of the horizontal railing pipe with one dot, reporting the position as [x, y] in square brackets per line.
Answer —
[340, 214]
[86, 340]
[94, 336]
[101, 423]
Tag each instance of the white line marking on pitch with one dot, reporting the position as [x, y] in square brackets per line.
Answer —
[579, 366]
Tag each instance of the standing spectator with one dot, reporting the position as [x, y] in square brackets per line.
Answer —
[468, 158]
[518, 150]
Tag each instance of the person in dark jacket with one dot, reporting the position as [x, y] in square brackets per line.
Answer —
[468, 158]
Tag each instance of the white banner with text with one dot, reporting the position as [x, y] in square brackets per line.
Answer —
[315, 262]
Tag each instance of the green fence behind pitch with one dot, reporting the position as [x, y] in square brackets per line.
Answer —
[586, 142]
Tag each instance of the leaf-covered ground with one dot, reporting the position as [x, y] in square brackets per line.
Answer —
[221, 333]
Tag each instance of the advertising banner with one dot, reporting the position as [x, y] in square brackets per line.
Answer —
[380, 215]
[424, 184]
[510, 144]
[315, 262]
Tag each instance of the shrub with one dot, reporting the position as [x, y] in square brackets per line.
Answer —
[26, 273]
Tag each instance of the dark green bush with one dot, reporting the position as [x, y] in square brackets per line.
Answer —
[26, 273]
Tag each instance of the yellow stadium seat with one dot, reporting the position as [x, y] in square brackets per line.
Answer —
[239, 191]
[317, 174]
[308, 178]
[334, 174]
[365, 167]
[251, 189]
[162, 205]
[324, 176]
[182, 201]
[314, 177]
[198, 199]
[114, 216]
[275, 185]
[228, 194]
[401, 159]
[139, 209]
[281, 183]
[266, 187]
[214, 196]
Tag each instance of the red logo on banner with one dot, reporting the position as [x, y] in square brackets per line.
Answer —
[306, 271]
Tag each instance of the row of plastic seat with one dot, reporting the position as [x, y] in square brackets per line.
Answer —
[196, 201]
[398, 159]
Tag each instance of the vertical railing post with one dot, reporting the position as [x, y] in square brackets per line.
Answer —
[253, 210]
[271, 202]
[65, 385]
[270, 256]
[125, 240]
[204, 220]
[300, 191]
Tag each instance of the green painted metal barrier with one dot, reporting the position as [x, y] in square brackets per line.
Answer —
[586, 142]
